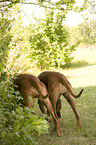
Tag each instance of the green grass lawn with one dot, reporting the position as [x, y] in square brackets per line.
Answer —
[82, 74]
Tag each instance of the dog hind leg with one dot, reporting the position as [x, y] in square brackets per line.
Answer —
[71, 101]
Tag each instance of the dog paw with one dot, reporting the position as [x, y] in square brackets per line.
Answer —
[60, 133]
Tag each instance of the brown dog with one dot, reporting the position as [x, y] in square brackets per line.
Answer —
[61, 87]
[29, 85]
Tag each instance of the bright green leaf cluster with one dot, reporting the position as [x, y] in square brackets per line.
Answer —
[17, 123]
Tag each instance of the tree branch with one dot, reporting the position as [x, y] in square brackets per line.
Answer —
[41, 5]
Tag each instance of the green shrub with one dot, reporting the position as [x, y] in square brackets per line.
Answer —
[17, 124]
[50, 44]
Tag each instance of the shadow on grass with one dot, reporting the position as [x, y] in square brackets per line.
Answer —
[78, 64]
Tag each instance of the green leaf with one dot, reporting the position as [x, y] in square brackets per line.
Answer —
[30, 99]
[3, 133]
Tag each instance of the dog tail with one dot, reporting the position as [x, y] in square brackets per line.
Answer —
[49, 93]
[78, 95]
[74, 95]
[68, 86]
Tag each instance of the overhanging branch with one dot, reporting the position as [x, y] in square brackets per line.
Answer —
[41, 5]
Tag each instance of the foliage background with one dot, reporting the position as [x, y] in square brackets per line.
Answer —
[44, 44]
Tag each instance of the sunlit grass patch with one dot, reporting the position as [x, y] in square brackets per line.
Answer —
[85, 54]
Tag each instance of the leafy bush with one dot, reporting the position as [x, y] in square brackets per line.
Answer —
[88, 31]
[45, 45]
[17, 124]
[50, 44]
[87, 28]
[5, 38]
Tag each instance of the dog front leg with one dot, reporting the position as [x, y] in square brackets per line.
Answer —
[48, 105]
[56, 125]
[53, 99]
[41, 106]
